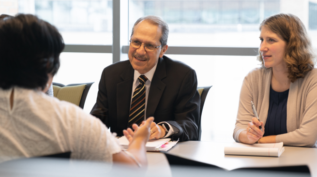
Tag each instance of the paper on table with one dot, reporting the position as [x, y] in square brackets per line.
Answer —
[152, 145]
[167, 146]
[265, 149]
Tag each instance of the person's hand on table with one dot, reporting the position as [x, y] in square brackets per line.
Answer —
[268, 139]
[157, 131]
[253, 133]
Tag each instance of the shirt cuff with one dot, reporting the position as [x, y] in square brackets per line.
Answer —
[236, 135]
[171, 130]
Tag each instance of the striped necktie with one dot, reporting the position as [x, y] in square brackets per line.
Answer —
[138, 103]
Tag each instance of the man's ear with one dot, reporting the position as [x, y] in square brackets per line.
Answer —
[164, 49]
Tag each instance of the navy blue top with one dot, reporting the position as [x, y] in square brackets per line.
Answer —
[276, 117]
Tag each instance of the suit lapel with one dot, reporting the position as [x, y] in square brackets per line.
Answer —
[124, 90]
[157, 88]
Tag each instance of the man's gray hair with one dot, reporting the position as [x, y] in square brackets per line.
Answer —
[158, 22]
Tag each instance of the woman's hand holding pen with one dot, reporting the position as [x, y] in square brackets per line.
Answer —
[254, 132]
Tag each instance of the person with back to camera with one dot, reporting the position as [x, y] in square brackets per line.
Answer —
[49, 91]
[284, 90]
[35, 124]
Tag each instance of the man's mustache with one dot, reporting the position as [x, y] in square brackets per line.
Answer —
[141, 57]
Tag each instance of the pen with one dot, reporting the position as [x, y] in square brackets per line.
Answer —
[255, 113]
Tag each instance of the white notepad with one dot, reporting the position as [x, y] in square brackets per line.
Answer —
[152, 145]
[261, 149]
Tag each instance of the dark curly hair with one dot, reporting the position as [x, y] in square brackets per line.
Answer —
[29, 51]
[298, 52]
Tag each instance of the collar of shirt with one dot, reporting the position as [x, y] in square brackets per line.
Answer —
[149, 75]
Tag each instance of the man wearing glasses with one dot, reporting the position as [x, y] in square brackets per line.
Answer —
[149, 85]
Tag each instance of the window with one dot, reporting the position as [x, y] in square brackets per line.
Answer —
[226, 30]
[81, 22]
[81, 67]
[220, 23]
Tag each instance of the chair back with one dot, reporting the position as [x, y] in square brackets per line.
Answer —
[73, 93]
[203, 91]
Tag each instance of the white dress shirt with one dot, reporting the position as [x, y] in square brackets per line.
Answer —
[135, 84]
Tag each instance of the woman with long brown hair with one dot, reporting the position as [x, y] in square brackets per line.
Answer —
[284, 89]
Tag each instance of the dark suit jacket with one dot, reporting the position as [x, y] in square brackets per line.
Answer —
[173, 97]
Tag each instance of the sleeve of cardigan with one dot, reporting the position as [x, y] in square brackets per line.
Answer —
[306, 134]
[245, 113]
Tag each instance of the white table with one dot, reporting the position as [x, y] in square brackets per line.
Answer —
[158, 165]
[213, 153]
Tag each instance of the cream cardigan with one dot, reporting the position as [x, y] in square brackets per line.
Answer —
[301, 106]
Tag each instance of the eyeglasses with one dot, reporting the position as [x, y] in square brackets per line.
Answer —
[148, 47]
